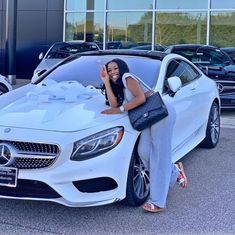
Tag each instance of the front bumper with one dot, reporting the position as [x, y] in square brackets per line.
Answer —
[96, 181]
[227, 101]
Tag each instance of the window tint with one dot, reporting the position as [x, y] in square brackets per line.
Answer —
[86, 69]
[65, 50]
[183, 70]
[204, 56]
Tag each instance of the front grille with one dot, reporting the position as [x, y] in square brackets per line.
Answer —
[226, 87]
[29, 188]
[28, 155]
[35, 147]
[32, 163]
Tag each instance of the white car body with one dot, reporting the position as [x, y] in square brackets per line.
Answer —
[35, 119]
[5, 86]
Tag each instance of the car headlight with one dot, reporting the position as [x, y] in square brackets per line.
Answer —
[97, 144]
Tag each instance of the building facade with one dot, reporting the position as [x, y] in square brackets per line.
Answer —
[151, 21]
[114, 24]
[39, 24]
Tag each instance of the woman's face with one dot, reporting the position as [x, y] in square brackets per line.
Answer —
[113, 71]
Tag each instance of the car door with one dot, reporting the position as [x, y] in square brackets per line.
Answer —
[187, 102]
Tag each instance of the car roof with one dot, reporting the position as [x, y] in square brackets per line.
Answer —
[141, 53]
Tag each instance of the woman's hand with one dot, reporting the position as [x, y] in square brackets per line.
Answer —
[104, 74]
[111, 111]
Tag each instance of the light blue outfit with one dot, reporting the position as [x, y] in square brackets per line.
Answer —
[155, 151]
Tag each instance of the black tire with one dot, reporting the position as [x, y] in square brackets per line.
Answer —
[213, 128]
[137, 189]
[3, 89]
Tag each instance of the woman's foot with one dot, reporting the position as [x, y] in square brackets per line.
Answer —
[150, 207]
[182, 178]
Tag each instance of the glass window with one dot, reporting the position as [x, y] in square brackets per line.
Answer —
[84, 26]
[63, 50]
[179, 28]
[129, 4]
[85, 67]
[181, 4]
[219, 4]
[183, 70]
[222, 29]
[82, 5]
[128, 29]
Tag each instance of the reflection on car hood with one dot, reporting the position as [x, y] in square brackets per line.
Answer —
[55, 114]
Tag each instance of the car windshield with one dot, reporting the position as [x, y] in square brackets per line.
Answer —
[86, 69]
[205, 56]
[65, 50]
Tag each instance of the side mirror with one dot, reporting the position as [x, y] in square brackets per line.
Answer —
[37, 75]
[40, 56]
[174, 83]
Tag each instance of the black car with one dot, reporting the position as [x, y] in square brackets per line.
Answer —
[216, 64]
[148, 47]
[230, 51]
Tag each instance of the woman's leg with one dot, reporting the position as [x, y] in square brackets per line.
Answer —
[145, 146]
[163, 172]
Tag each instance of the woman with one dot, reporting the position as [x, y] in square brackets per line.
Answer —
[123, 93]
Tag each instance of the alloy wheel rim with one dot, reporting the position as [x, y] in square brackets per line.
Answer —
[140, 179]
[215, 125]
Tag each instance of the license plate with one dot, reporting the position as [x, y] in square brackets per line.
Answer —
[8, 176]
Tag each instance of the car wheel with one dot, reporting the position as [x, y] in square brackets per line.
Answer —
[213, 128]
[3, 89]
[137, 189]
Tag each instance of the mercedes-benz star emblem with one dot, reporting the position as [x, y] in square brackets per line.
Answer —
[5, 155]
[220, 87]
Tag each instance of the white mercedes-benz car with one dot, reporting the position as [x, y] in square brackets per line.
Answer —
[55, 144]
[5, 86]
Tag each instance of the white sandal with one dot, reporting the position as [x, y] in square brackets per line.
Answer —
[182, 178]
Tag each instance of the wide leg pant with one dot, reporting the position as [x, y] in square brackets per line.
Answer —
[155, 151]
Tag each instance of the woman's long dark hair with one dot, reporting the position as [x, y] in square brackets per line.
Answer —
[117, 86]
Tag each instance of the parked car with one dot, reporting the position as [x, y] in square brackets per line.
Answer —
[60, 50]
[56, 145]
[216, 64]
[230, 51]
[119, 44]
[5, 86]
[148, 47]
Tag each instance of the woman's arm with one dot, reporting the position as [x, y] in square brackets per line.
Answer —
[139, 97]
[110, 95]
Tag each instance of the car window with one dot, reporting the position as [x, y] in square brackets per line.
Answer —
[183, 70]
[65, 50]
[86, 69]
[204, 56]
[212, 56]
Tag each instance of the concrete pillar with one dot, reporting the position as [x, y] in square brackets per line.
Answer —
[11, 27]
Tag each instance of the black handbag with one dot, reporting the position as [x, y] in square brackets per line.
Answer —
[150, 112]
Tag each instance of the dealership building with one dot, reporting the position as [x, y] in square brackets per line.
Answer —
[32, 26]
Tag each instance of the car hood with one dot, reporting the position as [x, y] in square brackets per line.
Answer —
[35, 109]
